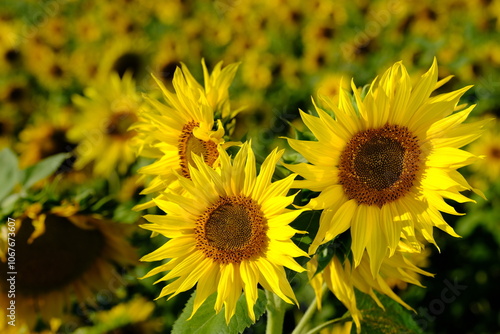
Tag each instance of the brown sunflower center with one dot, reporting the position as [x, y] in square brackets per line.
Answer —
[168, 70]
[379, 166]
[3, 128]
[12, 56]
[232, 230]
[495, 153]
[128, 62]
[57, 143]
[189, 144]
[56, 71]
[16, 94]
[119, 122]
[379, 162]
[61, 255]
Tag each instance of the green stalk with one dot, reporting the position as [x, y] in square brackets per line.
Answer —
[304, 321]
[276, 308]
[329, 323]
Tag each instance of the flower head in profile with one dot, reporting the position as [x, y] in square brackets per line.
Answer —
[228, 232]
[184, 126]
[342, 278]
[385, 165]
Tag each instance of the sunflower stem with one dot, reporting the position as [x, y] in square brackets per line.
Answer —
[275, 313]
[304, 321]
[329, 323]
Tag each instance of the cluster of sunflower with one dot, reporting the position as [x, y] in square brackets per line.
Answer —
[58, 47]
[383, 163]
[372, 168]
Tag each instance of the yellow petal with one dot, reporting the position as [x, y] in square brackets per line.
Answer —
[250, 278]
[361, 230]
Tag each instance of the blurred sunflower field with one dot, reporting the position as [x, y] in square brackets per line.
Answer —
[237, 166]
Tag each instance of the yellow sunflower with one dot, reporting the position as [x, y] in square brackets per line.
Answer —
[10, 55]
[229, 232]
[16, 97]
[489, 146]
[341, 277]
[172, 132]
[385, 165]
[52, 69]
[46, 136]
[124, 54]
[61, 253]
[102, 130]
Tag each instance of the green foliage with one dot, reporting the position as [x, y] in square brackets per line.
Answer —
[9, 173]
[393, 320]
[42, 169]
[482, 214]
[206, 321]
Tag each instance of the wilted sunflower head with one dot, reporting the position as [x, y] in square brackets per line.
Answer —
[342, 278]
[61, 253]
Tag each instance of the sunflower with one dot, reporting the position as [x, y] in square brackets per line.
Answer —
[342, 278]
[16, 96]
[46, 136]
[10, 55]
[385, 165]
[55, 32]
[59, 253]
[126, 54]
[489, 146]
[256, 70]
[102, 130]
[52, 69]
[172, 132]
[229, 232]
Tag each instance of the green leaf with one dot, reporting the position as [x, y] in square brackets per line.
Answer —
[394, 320]
[307, 221]
[124, 213]
[8, 204]
[206, 321]
[325, 254]
[41, 170]
[9, 172]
